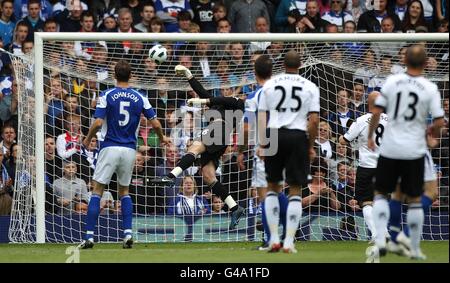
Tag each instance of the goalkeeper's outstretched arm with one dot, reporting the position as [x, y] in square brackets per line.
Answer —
[199, 89]
[196, 85]
[230, 103]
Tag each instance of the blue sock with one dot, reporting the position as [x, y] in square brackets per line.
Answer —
[265, 225]
[406, 230]
[92, 215]
[395, 220]
[426, 203]
[127, 214]
[283, 199]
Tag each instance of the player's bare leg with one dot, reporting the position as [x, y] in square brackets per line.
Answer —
[262, 226]
[127, 216]
[262, 191]
[293, 217]
[209, 176]
[431, 190]
[92, 216]
[272, 210]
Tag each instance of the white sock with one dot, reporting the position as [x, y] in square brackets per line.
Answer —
[272, 207]
[90, 235]
[230, 201]
[415, 218]
[176, 171]
[368, 218]
[293, 216]
[381, 214]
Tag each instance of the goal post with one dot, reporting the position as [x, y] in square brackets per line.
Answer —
[320, 64]
[40, 144]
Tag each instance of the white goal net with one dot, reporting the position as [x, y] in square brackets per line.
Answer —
[77, 69]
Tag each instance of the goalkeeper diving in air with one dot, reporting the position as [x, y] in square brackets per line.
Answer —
[210, 144]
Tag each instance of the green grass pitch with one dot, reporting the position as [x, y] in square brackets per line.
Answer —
[308, 252]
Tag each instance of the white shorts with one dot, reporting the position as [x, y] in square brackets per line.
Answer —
[429, 171]
[259, 173]
[115, 159]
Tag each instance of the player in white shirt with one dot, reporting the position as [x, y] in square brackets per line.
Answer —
[399, 241]
[366, 172]
[408, 99]
[368, 159]
[290, 100]
[263, 72]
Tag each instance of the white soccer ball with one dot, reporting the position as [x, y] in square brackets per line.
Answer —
[158, 53]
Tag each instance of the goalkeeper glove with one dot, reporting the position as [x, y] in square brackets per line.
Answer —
[181, 70]
[197, 102]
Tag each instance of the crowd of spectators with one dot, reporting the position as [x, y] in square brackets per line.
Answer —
[70, 101]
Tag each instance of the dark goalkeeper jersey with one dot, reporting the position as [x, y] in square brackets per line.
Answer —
[220, 104]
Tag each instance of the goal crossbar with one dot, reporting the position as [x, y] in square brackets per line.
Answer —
[220, 37]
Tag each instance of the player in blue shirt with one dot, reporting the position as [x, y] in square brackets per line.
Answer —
[118, 114]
